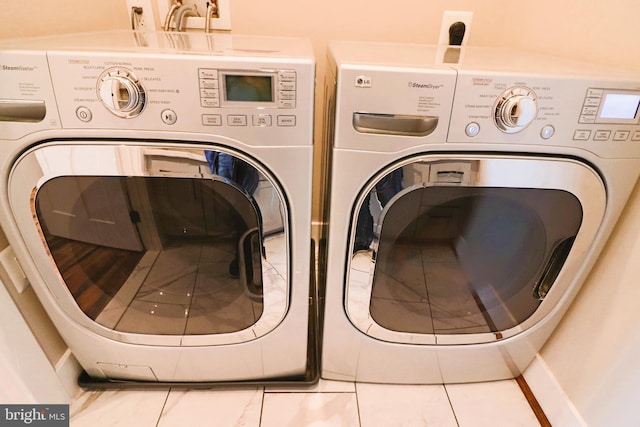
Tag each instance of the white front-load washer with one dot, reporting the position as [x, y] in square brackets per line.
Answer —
[468, 202]
[156, 189]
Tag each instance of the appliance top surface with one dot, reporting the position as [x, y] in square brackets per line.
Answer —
[471, 59]
[126, 41]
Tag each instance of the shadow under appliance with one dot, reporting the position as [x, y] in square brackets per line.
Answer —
[156, 189]
[483, 194]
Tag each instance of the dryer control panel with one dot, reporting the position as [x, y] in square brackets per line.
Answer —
[504, 99]
[601, 115]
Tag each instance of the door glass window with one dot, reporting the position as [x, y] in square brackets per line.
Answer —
[179, 254]
[448, 258]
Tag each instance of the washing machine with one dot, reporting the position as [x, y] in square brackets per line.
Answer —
[470, 194]
[156, 190]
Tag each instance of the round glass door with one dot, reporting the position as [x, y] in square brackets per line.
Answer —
[162, 245]
[462, 251]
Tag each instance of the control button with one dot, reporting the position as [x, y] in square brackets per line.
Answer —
[592, 102]
[547, 131]
[210, 102]
[208, 73]
[237, 120]
[581, 135]
[209, 93]
[602, 135]
[287, 85]
[261, 120]
[287, 95]
[283, 103]
[287, 76]
[587, 119]
[636, 135]
[286, 121]
[589, 111]
[212, 119]
[169, 117]
[209, 84]
[595, 93]
[472, 129]
[84, 114]
[621, 135]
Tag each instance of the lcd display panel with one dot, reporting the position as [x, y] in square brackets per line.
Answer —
[620, 106]
[248, 88]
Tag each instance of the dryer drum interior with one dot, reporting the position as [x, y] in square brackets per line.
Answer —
[440, 251]
[176, 249]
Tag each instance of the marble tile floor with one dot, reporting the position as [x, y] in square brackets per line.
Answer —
[328, 403]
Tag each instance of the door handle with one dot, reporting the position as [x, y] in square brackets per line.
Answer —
[551, 271]
[27, 111]
[394, 124]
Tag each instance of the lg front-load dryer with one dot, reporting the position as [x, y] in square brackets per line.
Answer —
[156, 189]
[467, 204]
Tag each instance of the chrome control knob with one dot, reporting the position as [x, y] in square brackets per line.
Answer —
[121, 93]
[515, 109]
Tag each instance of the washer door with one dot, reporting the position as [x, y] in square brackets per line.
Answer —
[156, 245]
[462, 250]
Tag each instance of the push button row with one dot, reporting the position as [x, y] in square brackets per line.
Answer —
[209, 88]
[287, 89]
[257, 120]
[591, 105]
[606, 135]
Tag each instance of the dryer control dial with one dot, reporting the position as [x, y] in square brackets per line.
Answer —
[120, 91]
[515, 109]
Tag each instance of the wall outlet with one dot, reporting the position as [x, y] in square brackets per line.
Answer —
[143, 15]
[449, 18]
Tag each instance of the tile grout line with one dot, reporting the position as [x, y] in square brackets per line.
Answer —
[264, 392]
[451, 404]
[166, 399]
[355, 392]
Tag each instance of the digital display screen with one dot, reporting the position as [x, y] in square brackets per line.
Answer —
[247, 88]
[620, 106]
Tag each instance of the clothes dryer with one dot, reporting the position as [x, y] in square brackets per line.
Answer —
[468, 203]
[156, 189]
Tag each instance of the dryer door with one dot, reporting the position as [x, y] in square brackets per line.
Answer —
[157, 245]
[468, 249]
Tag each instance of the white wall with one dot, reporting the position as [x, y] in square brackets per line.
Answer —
[45, 17]
[594, 353]
[25, 373]
[601, 31]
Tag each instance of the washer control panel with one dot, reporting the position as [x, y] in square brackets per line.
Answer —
[258, 90]
[263, 101]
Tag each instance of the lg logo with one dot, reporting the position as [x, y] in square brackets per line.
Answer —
[363, 81]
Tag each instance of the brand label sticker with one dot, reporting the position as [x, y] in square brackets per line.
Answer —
[363, 81]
